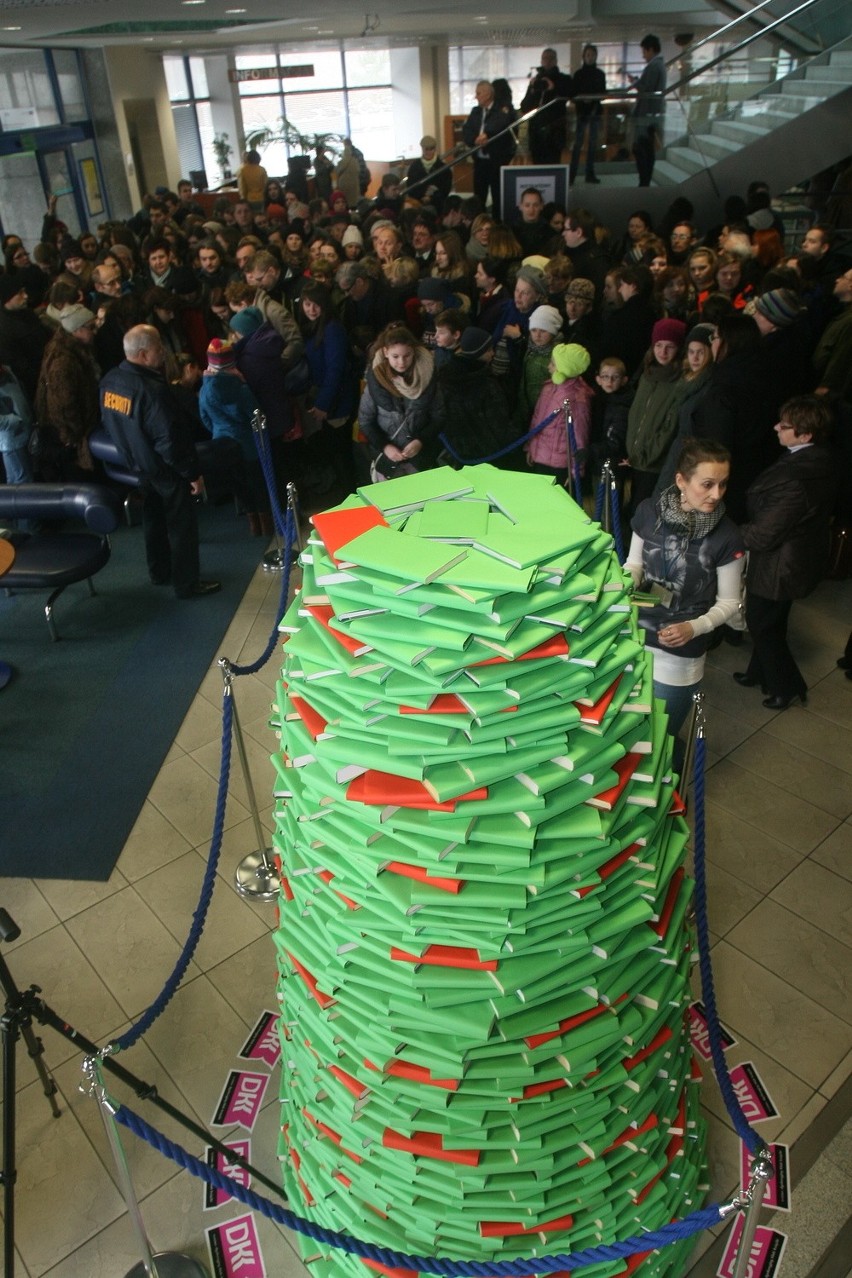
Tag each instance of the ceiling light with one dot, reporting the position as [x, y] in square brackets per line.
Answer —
[193, 1]
[235, 10]
[11, 28]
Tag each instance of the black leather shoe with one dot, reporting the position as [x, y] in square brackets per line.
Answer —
[781, 703]
[745, 680]
[200, 589]
[844, 663]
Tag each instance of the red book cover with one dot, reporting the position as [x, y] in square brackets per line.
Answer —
[351, 1084]
[416, 1073]
[625, 768]
[662, 923]
[386, 1269]
[447, 956]
[444, 703]
[569, 1023]
[429, 1145]
[555, 647]
[327, 877]
[609, 867]
[324, 1000]
[595, 712]
[417, 872]
[386, 788]
[338, 527]
[311, 718]
[630, 1062]
[324, 614]
[511, 1229]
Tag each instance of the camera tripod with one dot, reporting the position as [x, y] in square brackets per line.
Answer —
[16, 1023]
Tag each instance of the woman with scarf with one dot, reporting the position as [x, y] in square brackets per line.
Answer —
[396, 410]
[688, 555]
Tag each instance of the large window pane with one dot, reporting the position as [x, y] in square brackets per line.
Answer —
[261, 113]
[175, 72]
[206, 131]
[260, 60]
[70, 88]
[327, 65]
[198, 75]
[316, 112]
[367, 67]
[26, 94]
[371, 121]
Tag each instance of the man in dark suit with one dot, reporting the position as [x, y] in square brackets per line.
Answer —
[480, 129]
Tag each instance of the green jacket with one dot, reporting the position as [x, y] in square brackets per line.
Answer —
[652, 421]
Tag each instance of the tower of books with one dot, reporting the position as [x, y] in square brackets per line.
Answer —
[482, 947]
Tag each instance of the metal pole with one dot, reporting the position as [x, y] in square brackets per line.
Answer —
[165, 1264]
[695, 730]
[293, 507]
[760, 1174]
[255, 875]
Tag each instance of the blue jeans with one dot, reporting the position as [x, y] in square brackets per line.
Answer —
[585, 124]
[678, 705]
[18, 466]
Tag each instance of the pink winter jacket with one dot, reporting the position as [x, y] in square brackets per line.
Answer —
[550, 446]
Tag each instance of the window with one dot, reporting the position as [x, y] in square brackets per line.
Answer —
[186, 81]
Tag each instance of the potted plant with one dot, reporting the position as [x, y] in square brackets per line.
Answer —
[223, 151]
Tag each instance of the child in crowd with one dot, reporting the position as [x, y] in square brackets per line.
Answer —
[449, 326]
[550, 451]
[610, 409]
[226, 405]
[653, 418]
[545, 331]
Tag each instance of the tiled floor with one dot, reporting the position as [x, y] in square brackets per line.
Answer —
[780, 881]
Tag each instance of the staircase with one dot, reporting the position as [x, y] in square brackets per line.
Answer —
[785, 133]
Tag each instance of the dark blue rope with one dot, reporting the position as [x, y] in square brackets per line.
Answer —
[599, 499]
[501, 452]
[572, 453]
[161, 1002]
[677, 1231]
[272, 641]
[746, 1133]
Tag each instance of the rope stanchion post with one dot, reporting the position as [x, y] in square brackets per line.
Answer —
[167, 1264]
[573, 465]
[255, 875]
[762, 1171]
[603, 507]
[293, 509]
[696, 725]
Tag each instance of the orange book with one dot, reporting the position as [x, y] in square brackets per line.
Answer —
[609, 867]
[324, 614]
[630, 1062]
[625, 768]
[376, 787]
[447, 956]
[338, 527]
[416, 1073]
[444, 703]
[555, 647]
[662, 923]
[510, 1229]
[595, 712]
[417, 872]
[311, 718]
[570, 1022]
[327, 877]
[429, 1145]
[324, 1000]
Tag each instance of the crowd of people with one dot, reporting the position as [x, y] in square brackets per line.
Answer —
[434, 331]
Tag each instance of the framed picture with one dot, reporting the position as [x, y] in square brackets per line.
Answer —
[550, 179]
[92, 187]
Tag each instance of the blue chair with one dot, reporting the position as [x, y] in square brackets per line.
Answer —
[54, 560]
[115, 467]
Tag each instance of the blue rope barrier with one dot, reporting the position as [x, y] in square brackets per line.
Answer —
[272, 641]
[572, 455]
[676, 1231]
[599, 498]
[617, 535]
[161, 1002]
[501, 452]
[746, 1133]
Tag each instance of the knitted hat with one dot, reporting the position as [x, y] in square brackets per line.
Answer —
[277, 211]
[74, 317]
[761, 219]
[213, 228]
[701, 333]
[432, 289]
[532, 275]
[780, 306]
[570, 360]
[245, 322]
[582, 290]
[352, 236]
[537, 260]
[221, 354]
[71, 248]
[548, 318]
[668, 330]
[428, 143]
[474, 342]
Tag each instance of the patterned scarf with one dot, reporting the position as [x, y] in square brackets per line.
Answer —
[692, 524]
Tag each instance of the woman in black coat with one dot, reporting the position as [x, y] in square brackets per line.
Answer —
[787, 536]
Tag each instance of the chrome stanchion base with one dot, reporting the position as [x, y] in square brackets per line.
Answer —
[170, 1264]
[273, 561]
[256, 877]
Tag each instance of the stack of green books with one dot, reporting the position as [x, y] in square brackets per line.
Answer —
[483, 947]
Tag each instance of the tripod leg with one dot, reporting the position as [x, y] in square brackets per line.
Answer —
[35, 1051]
